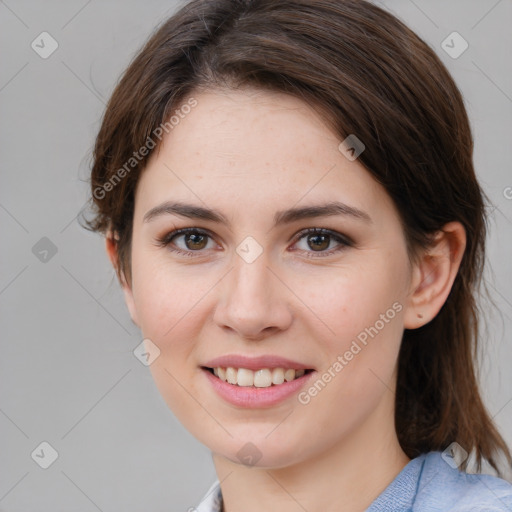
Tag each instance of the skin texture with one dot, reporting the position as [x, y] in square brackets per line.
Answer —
[249, 154]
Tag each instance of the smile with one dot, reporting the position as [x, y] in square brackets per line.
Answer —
[263, 378]
[255, 389]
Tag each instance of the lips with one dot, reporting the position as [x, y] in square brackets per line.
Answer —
[253, 397]
[256, 382]
[255, 363]
[262, 371]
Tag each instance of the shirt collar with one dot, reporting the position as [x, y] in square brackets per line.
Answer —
[212, 500]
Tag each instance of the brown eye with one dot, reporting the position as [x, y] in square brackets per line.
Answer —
[187, 241]
[195, 241]
[318, 242]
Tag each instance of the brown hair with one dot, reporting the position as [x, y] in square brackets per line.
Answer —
[371, 76]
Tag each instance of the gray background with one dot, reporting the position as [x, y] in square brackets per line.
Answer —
[68, 374]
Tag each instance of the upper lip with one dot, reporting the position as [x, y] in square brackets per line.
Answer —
[255, 363]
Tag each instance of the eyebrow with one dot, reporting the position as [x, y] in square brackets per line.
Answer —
[281, 217]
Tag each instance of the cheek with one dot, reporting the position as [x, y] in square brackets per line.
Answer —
[362, 309]
[350, 301]
[170, 304]
[167, 297]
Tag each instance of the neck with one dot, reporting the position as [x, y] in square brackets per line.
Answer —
[347, 476]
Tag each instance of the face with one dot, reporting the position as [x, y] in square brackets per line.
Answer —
[265, 279]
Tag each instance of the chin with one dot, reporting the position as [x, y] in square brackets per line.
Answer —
[258, 452]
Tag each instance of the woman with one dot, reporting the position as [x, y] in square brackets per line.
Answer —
[288, 197]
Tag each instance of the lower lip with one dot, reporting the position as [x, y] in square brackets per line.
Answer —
[252, 397]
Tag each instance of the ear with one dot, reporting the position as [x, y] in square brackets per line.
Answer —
[112, 250]
[433, 275]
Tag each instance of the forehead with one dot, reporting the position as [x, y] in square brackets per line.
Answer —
[251, 127]
[239, 149]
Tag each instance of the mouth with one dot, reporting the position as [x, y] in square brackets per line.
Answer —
[262, 378]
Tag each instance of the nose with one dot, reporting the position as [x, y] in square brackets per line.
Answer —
[253, 302]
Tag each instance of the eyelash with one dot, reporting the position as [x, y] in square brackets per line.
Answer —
[343, 240]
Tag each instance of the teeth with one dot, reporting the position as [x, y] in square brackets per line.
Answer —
[231, 374]
[245, 377]
[289, 375]
[263, 378]
[277, 376]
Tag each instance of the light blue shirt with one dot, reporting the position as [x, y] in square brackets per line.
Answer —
[427, 484]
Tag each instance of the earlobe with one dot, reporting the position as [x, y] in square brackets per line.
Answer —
[434, 274]
[111, 247]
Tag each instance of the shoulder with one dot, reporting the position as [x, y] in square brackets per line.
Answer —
[427, 484]
[442, 486]
[433, 483]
